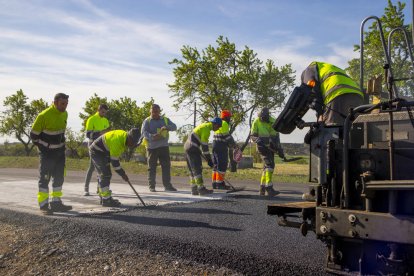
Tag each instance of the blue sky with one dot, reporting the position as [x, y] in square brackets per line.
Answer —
[122, 48]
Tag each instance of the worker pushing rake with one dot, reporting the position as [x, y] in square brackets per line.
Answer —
[105, 151]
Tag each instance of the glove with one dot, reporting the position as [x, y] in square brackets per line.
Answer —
[125, 178]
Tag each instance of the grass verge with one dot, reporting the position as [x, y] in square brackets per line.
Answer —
[284, 172]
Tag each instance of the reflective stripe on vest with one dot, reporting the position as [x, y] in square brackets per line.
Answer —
[335, 82]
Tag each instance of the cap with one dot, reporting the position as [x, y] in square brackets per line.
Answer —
[134, 134]
[264, 112]
[217, 121]
[225, 114]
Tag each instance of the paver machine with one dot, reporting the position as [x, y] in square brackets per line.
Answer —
[363, 177]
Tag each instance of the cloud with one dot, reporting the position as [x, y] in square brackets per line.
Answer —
[79, 48]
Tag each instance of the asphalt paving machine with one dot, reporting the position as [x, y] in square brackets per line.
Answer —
[363, 177]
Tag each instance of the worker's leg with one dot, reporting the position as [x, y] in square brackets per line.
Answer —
[269, 166]
[102, 163]
[89, 176]
[165, 162]
[152, 159]
[223, 161]
[196, 164]
[58, 175]
[44, 178]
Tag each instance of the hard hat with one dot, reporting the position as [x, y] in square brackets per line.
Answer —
[225, 114]
[217, 121]
[134, 134]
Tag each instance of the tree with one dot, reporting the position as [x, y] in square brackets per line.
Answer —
[223, 77]
[183, 132]
[19, 116]
[374, 57]
[73, 142]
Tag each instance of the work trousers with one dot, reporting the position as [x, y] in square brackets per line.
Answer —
[89, 174]
[102, 163]
[52, 165]
[163, 155]
[220, 161]
[268, 158]
[220, 156]
[195, 165]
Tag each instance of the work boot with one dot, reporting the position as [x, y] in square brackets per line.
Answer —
[194, 190]
[270, 191]
[202, 190]
[110, 202]
[262, 190]
[214, 185]
[152, 189]
[170, 189]
[86, 193]
[46, 210]
[58, 206]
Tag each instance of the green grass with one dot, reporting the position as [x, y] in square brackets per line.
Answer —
[295, 172]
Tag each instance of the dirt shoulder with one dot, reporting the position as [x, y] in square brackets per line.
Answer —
[33, 251]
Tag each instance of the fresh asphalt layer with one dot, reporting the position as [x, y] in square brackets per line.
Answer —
[230, 230]
[20, 186]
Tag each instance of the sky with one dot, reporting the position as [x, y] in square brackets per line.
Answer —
[122, 48]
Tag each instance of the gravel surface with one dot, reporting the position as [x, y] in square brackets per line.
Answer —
[231, 237]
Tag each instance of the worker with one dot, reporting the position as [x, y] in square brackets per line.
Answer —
[48, 134]
[95, 126]
[264, 136]
[155, 130]
[335, 94]
[222, 140]
[107, 150]
[199, 138]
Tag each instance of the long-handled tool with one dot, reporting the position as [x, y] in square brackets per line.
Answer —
[136, 193]
[233, 189]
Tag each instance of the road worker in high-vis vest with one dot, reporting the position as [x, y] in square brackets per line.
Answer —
[199, 138]
[335, 92]
[222, 140]
[106, 150]
[265, 137]
[48, 134]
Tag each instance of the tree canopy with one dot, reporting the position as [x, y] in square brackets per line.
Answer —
[374, 57]
[223, 77]
[124, 113]
[18, 118]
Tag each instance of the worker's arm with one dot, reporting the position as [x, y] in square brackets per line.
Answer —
[36, 130]
[171, 126]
